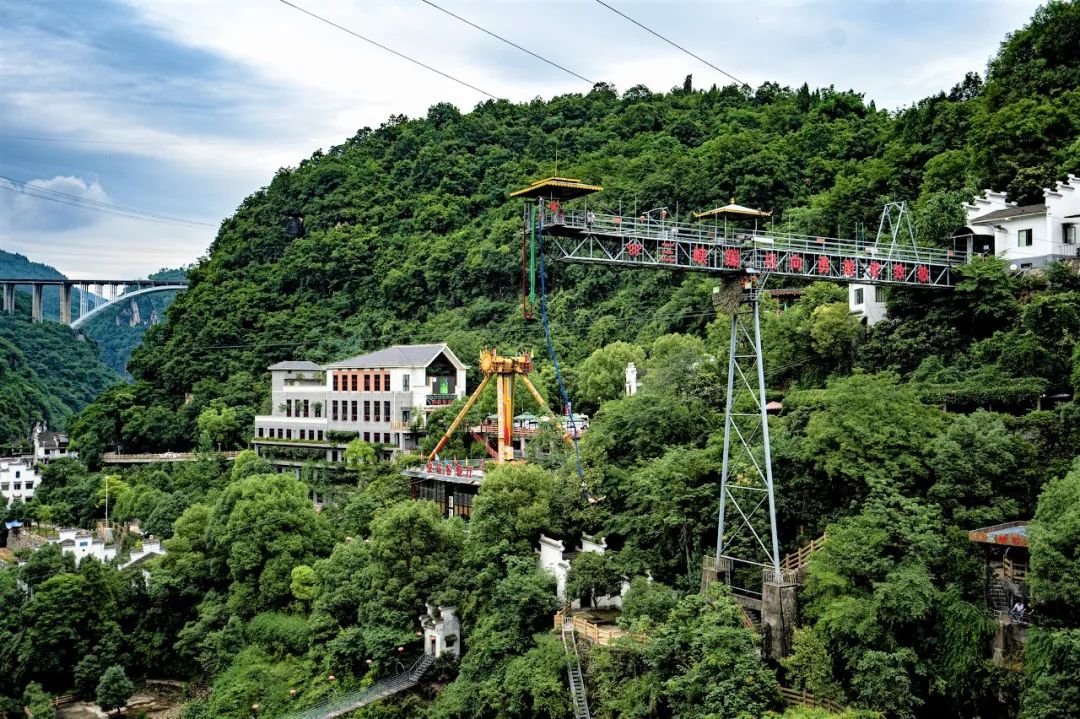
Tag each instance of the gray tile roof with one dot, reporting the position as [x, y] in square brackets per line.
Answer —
[52, 440]
[399, 356]
[295, 365]
[1009, 213]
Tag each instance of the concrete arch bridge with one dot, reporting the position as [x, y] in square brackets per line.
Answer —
[90, 294]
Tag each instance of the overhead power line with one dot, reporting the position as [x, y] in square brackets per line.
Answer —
[391, 50]
[672, 43]
[64, 198]
[508, 42]
[154, 143]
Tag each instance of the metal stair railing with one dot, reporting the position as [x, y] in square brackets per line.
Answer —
[573, 671]
[339, 706]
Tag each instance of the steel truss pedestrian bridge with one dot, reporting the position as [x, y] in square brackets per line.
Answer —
[583, 236]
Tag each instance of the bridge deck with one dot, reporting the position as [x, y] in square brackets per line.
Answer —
[589, 237]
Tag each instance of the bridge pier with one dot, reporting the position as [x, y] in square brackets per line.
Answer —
[37, 305]
[65, 304]
[9, 298]
[84, 299]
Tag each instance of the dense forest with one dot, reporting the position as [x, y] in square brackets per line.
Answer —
[47, 374]
[894, 440]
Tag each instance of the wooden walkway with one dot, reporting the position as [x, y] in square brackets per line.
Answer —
[114, 458]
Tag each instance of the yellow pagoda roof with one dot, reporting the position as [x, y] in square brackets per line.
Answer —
[732, 209]
[562, 188]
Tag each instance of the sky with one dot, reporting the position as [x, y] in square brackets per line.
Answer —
[179, 109]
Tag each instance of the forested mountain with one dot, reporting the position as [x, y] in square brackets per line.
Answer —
[894, 440]
[46, 374]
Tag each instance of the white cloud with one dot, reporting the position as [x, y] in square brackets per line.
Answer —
[116, 247]
[26, 210]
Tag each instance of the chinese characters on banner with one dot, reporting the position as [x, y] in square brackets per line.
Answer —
[700, 255]
[667, 252]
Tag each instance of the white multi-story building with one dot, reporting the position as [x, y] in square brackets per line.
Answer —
[1024, 236]
[381, 397]
[1027, 236]
[18, 481]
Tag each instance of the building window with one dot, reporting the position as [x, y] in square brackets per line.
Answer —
[303, 434]
[320, 438]
[405, 382]
[306, 408]
[386, 438]
[859, 296]
[386, 410]
[378, 417]
[406, 416]
[336, 379]
[18, 486]
[318, 410]
[288, 434]
[29, 485]
[386, 382]
[367, 381]
[1068, 234]
[1024, 238]
[378, 383]
[17, 474]
[260, 429]
[354, 381]
[354, 404]
[333, 410]
[879, 294]
[288, 408]
[367, 410]
[4, 487]
[367, 436]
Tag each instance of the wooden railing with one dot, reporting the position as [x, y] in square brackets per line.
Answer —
[1014, 571]
[798, 559]
[794, 697]
[594, 633]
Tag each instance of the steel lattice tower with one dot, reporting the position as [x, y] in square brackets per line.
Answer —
[746, 531]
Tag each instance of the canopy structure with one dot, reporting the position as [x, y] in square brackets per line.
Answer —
[732, 210]
[558, 188]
